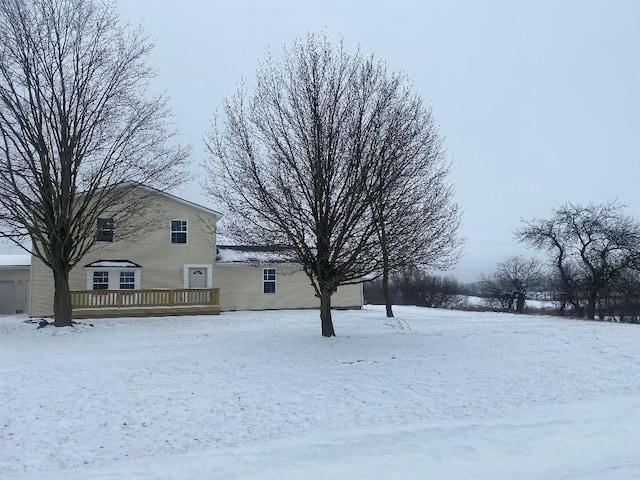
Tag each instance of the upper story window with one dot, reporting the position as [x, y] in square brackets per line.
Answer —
[178, 231]
[269, 280]
[100, 280]
[127, 280]
[104, 232]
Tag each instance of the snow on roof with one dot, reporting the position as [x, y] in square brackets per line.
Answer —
[23, 260]
[112, 264]
[253, 254]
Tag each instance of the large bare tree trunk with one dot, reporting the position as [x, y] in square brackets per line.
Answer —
[325, 313]
[62, 298]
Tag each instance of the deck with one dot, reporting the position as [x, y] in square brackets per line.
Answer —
[142, 303]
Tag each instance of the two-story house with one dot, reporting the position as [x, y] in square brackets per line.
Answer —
[177, 268]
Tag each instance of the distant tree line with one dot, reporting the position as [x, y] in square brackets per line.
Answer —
[414, 286]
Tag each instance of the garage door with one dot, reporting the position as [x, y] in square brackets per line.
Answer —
[7, 297]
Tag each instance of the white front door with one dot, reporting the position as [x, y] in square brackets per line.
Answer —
[197, 278]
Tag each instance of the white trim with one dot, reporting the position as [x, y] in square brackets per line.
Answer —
[120, 283]
[205, 266]
[93, 282]
[114, 276]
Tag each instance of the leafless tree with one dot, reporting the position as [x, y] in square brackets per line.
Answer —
[78, 134]
[416, 216]
[620, 301]
[413, 206]
[590, 248]
[300, 163]
[512, 281]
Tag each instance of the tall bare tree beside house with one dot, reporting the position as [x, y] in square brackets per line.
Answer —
[416, 216]
[299, 162]
[78, 132]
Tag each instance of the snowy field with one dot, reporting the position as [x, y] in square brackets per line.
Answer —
[261, 395]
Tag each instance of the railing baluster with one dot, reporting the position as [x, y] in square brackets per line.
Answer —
[144, 298]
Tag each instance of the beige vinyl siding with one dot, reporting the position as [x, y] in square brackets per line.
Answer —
[20, 278]
[162, 262]
[41, 301]
[241, 288]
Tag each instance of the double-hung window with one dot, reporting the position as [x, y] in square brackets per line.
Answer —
[178, 231]
[113, 275]
[127, 280]
[100, 280]
[104, 232]
[269, 280]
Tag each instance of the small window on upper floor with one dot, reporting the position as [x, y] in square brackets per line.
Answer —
[178, 231]
[104, 231]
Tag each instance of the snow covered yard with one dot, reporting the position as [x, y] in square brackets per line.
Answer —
[263, 395]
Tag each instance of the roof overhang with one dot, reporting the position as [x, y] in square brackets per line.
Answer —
[112, 264]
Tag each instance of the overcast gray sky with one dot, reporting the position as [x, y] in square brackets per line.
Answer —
[538, 101]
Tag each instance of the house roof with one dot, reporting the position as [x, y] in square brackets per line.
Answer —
[175, 198]
[217, 214]
[15, 261]
[252, 254]
[112, 264]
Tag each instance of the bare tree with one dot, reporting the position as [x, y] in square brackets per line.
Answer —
[590, 247]
[78, 134]
[620, 301]
[513, 280]
[300, 162]
[413, 207]
[417, 218]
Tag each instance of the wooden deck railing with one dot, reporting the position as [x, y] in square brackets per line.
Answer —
[144, 298]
